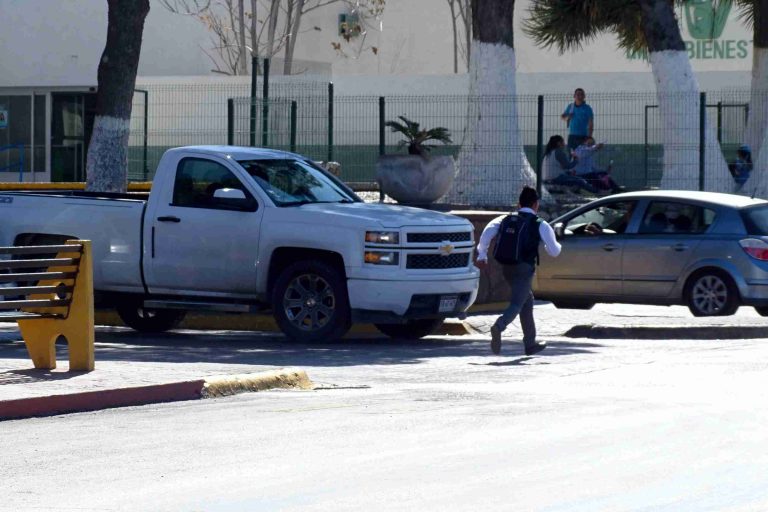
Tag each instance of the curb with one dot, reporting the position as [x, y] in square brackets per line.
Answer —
[210, 387]
[683, 332]
[263, 323]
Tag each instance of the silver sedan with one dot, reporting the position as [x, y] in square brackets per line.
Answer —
[706, 250]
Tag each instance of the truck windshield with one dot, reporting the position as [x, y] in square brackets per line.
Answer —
[293, 182]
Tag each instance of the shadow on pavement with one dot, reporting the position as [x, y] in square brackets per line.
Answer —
[254, 348]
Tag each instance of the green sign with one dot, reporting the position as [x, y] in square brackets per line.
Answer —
[706, 19]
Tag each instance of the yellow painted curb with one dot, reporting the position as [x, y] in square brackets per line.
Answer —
[294, 378]
[262, 323]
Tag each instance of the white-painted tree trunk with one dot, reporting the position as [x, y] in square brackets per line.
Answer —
[492, 167]
[679, 107]
[107, 154]
[757, 123]
[757, 184]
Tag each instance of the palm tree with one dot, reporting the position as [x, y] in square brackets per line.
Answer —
[649, 26]
[755, 14]
[492, 166]
[416, 137]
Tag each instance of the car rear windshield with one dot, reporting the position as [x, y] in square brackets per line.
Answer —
[756, 220]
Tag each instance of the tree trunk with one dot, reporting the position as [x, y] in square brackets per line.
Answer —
[757, 124]
[107, 163]
[492, 167]
[254, 35]
[679, 106]
[273, 13]
[454, 28]
[243, 53]
[290, 44]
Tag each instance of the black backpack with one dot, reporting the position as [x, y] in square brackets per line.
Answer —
[518, 239]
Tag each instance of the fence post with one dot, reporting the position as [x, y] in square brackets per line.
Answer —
[252, 128]
[230, 122]
[330, 122]
[539, 142]
[294, 109]
[382, 148]
[645, 147]
[702, 137]
[265, 106]
[21, 162]
[720, 121]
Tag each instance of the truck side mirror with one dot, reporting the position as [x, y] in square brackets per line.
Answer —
[233, 198]
[559, 230]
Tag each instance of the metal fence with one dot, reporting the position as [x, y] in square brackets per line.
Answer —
[308, 118]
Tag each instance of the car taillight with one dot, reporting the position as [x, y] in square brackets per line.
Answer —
[755, 247]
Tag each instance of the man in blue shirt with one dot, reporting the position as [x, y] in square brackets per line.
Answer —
[578, 118]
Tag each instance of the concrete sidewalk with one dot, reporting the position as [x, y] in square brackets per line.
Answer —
[133, 368]
[630, 321]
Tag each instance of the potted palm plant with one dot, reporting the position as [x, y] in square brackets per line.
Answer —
[416, 178]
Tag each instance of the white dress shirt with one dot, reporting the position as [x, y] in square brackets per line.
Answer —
[551, 245]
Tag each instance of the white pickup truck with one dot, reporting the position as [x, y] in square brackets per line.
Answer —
[239, 229]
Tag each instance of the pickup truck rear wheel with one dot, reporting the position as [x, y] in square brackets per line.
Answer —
[412, 329]
[142, 319]
[310, 302]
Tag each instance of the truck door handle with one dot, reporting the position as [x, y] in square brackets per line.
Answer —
[610, 247]
[680, 247]
[169, 218]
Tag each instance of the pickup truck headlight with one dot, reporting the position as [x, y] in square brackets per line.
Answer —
[382, 237]
[382, 257]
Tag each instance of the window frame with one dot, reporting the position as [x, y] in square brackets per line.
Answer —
[251, 203]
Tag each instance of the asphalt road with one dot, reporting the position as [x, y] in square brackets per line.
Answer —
[590, 425]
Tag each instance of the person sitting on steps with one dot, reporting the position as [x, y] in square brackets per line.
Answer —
[558, 166]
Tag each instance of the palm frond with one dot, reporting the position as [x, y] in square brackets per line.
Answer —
[568, 25]
[746, 9]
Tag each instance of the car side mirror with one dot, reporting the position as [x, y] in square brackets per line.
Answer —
[233, 198]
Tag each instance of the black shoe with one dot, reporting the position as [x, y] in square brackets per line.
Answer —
[535, 348]
[495, 340]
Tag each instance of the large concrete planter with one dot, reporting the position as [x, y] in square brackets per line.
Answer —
[413, 179]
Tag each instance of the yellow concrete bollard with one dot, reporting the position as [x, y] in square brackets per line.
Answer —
[40, 334]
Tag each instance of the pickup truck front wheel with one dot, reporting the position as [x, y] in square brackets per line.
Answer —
[412, 329]
[142, 319]
[310, 302]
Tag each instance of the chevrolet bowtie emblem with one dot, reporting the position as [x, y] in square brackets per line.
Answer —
[447, 248]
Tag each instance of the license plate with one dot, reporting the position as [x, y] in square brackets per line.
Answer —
[447, 303]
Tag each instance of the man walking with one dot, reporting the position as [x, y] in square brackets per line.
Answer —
[578, 117]
[517, 249]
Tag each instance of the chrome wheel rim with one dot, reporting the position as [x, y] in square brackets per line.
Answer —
[709, 294]
[309, 302]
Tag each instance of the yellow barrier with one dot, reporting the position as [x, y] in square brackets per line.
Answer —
[134, 186]
[74, 320]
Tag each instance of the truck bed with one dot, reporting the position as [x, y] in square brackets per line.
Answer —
[112, 221]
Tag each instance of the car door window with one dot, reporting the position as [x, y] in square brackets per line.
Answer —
[675, 218]
[197, 179]
[606, 219]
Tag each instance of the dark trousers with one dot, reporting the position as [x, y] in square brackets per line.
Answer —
[575, 141]
[520, 278]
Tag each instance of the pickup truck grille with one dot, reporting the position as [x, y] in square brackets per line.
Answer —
[437, 261]
[422, 238]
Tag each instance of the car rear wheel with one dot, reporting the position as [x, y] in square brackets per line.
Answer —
[412, 329]
[310, 302]
[142, 319]
[712, 293]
